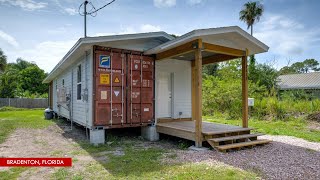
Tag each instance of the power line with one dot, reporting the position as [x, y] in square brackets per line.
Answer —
[92, 12]
[101, 7]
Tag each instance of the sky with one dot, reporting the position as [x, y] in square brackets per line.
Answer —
[43, 31]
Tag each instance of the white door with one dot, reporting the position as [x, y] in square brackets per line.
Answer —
[164, 94]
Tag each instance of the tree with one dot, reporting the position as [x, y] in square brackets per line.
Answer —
[30, 79]
[9, 82]
[301, 67]
[210, 69]
[311, 64]
[22, 78]
[252, 67]
[22, 64]
[3, 61]
[265, 75]
[251, 13]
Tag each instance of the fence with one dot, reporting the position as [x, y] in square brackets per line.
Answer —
[24, 102]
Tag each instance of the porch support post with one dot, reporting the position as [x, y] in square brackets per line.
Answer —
[198, 95]
[245, 91]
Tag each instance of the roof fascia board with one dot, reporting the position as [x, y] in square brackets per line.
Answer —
[203, 32]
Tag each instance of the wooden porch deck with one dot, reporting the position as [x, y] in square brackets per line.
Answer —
[220, 136]
[186, 129]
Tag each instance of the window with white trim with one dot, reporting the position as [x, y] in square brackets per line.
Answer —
[79, 74]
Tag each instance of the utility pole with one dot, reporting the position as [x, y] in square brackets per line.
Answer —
[85, 18]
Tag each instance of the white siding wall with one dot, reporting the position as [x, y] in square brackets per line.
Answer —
[63, 109]
[182, 85]
[82, 110]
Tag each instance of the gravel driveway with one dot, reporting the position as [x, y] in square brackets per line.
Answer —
[285, 158]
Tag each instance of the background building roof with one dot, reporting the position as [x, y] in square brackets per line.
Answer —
[300, 81]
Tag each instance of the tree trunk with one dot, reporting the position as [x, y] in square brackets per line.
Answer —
[251, 30]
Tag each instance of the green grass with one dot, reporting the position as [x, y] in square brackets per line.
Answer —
[10, 120]
[293, 127]
[12, 173]
[60, 174]
[139, 163]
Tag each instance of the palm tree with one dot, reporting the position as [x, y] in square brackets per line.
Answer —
[251, 13]
[3, 61]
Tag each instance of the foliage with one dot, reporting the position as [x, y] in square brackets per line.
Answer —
[210, 69]
[31, 80]
[251, 13]
[3, 61]
[222, 94]
[264, 75]
[306, 66]
[22, 79]
[296, 127]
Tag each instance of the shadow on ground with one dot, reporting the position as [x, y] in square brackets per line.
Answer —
[126, 154]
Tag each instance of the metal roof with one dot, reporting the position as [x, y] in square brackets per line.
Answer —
[232, 36]
[156, 42]
[142, 41]
[299, 81]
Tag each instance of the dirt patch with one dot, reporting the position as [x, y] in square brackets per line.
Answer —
[50, 142]
[314, 126]
[285, 158]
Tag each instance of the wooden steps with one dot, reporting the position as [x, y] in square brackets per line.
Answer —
[242, 144]
[227, 131]
[235, 140]
[228, 138]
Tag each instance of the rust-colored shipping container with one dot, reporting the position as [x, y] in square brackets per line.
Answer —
[124, 88]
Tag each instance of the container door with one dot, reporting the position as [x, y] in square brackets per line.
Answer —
[140, 89]
[110, 83]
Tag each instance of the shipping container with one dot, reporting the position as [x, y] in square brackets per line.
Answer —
[123, 87]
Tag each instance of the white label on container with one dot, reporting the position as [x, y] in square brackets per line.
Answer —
[116, 93]
[146, 109]
[103, 94]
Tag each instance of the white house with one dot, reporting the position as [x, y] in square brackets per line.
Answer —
[132, 80]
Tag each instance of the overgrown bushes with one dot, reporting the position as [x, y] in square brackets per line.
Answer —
[222, 95]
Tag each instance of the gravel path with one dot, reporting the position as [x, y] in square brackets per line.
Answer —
[285, 158]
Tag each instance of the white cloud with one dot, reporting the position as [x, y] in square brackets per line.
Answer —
[71, 11]
[194, 2]
[164, 3]
[28, 5]
[46, 54]
[285, 36]
[8, 39]
[149, 28]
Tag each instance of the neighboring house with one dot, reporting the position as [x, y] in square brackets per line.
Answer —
[309, 82]
[132, 80]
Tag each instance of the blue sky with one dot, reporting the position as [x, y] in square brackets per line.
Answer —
[44, 30]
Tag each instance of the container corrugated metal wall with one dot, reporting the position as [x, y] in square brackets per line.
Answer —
[124, 88]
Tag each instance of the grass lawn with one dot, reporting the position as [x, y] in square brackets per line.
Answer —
[10, 120]
[137, 161]
[295, 127]
[146, 164]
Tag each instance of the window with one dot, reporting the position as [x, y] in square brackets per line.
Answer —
[79, 72]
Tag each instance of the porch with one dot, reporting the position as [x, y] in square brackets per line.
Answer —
[202, 47]
[220, 136]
